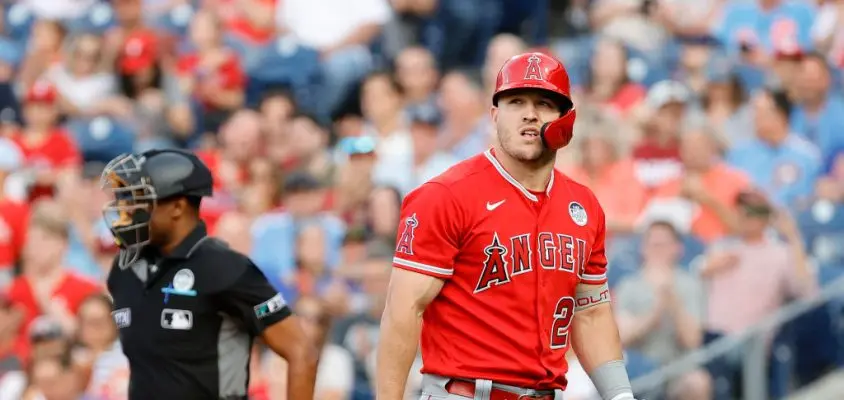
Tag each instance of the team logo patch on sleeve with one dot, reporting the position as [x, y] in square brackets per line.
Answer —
[271, 306]
[578, 213]
[405, 244]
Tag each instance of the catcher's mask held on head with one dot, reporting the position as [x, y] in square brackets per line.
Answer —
[538, 71]
[128, 214]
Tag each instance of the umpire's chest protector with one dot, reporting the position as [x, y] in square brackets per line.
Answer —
[174, 315]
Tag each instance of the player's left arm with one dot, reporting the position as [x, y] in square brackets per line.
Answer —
[594, 332]
[264, 313]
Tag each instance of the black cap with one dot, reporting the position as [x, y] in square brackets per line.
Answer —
[44, 329]
[425, 113]
[299, 182]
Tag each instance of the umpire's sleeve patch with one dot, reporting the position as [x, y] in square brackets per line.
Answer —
[271, 306]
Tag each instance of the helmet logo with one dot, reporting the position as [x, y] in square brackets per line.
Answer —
[533, 70]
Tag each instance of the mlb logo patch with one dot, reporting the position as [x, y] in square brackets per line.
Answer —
[180, 320]
[577, 213]
[122, 317]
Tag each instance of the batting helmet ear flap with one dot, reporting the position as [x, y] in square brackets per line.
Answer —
[559, 132]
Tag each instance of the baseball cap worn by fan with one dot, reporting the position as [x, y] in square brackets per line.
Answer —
[425, 114]
[42, 91]
[44, 328]
[667, 92]
[300, 182]
[754, 202]
[139, 51]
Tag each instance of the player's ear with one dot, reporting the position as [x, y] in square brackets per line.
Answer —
[493, 113]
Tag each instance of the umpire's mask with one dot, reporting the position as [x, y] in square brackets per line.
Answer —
[128, 214]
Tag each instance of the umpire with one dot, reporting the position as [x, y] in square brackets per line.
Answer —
[188, 308]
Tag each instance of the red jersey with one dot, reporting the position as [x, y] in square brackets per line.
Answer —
[56, 152]
[14, 218]
[228, 75]
[72, 290]
[511, 260]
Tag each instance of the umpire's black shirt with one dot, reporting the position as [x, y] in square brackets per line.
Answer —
[187, 320]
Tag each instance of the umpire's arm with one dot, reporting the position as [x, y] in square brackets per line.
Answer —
[264, 312]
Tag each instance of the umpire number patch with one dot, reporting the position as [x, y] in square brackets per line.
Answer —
[270, 306]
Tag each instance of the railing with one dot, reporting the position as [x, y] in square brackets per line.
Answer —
[753, 343]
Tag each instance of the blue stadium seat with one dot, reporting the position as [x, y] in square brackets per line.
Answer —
[620, 269]
[638, 364]
[101, 138]
[176, 21]
[18, 22]
[822, 233]
[97, 20]
[286, 63]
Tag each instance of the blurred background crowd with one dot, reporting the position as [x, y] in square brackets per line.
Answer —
[712, 132]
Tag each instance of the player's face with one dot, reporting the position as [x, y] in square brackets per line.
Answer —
[518, 118]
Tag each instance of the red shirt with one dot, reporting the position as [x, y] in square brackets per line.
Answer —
[57, 151]
[240, 26]
[511, 268]
[14, 219]
[655, 164]
[228, 75]
[72, 289]
[213, 208]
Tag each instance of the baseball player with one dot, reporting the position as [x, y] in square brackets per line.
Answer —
[500, 263]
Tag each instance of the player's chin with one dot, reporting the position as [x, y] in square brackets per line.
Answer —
[530, 152]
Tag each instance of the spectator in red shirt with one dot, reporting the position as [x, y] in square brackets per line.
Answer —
[252, 21]
[13, 213]
[212, 73]
[657, 156]
[240, 144]
[50, 153]
[46, 287]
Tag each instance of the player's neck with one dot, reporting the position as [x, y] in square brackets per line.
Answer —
[534, 176]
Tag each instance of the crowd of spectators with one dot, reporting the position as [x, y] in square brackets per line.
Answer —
[712, 132]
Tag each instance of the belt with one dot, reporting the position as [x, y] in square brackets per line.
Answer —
[467, 389]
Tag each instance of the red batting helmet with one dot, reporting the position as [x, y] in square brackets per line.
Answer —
[540, 71]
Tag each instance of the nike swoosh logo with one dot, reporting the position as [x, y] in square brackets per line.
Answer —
[493, 206]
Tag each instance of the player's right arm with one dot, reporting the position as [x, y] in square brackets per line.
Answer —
[428, 241]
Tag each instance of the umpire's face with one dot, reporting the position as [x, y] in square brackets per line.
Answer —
[518, 119]
[165, 218]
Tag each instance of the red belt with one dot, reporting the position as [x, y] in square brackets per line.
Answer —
[467, 389]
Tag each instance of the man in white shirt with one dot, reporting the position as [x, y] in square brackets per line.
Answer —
[342, 31]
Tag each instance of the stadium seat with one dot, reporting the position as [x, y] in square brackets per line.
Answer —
[18, 22]
[286, 63]
[101, 138]
[822, 233]
[176, 21]
[97, 20]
